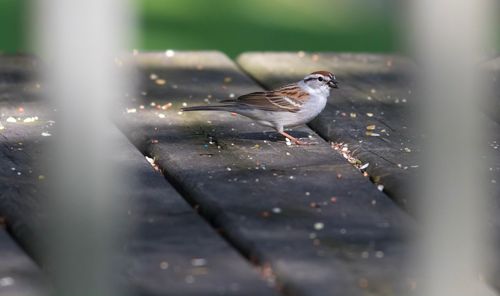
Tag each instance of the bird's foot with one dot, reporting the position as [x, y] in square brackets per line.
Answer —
[303, 143]
[297, 141]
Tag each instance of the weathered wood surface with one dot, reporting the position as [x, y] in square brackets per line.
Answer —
[305, 214]
[19, 275]
[370, 111]
[377, 88]
[170, 250]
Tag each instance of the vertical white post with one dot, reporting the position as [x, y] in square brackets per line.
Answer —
[449, 37]
[78, 41]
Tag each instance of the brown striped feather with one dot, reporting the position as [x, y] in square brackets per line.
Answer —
[288, 98]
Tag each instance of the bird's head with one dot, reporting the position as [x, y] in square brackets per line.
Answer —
[321, 80]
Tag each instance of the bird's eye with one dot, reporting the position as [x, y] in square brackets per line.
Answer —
[320, 78]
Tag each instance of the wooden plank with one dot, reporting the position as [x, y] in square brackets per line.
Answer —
[305, 214]
[170, 250]
[19, 275]
[386, 80]
[370, 112]
[377, 90]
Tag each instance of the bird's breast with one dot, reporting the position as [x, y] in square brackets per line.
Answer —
[314, 105]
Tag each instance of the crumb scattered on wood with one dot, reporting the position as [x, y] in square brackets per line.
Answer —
[152, 162]
[343, 149]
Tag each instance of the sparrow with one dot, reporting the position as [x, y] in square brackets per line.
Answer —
[288, 106]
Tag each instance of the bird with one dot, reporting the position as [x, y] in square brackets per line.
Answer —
[288, 106]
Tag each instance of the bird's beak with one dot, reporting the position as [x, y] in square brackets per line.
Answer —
[333, 84]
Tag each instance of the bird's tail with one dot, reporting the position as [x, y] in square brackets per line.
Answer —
[208, 108]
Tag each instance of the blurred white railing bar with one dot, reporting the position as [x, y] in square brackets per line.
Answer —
[448, 39]
[78, 41]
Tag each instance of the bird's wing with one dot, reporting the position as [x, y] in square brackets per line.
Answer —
[285, 99]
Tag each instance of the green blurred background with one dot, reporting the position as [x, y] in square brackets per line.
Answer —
[234, 26]
[237, 26]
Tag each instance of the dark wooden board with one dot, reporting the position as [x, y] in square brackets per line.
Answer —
[19, 275]
[169, 250]
[370, 112]
[386, 79]
[304, 213]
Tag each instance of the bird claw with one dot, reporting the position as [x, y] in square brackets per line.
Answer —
[296, 141]
[303, 143]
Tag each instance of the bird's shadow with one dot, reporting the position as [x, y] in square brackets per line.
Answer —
[271, 136]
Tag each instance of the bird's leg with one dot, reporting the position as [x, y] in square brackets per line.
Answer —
[293, 139]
